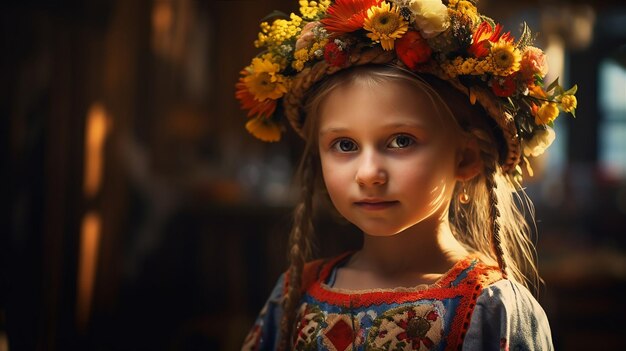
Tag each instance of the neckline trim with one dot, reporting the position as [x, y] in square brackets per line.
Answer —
[446, 286]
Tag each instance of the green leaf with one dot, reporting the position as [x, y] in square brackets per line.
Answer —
[553, 85]
[573, 112]
[525, 37]
[260, 54]
[572, 90]
[274, 14]
[558, 93]
[552, 97]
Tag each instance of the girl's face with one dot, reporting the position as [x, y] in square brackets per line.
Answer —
[388, 159]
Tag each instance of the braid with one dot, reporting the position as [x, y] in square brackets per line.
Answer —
[299, 250]
[490, 159]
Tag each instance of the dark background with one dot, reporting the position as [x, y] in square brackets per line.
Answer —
[137, 213]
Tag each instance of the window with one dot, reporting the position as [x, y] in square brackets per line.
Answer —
[612, 126]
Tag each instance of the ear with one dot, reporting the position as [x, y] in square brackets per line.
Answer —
[468, 162]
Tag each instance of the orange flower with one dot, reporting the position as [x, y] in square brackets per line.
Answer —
[484, 36]
[263, 108]
[534, 109]
[536, 92]
[346, 16]
[533, 62]
[264, 129]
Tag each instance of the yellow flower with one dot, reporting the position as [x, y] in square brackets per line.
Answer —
[449, 69]
[482, 66]
[317, 49]
[313, 10]
[302, 54]
[298, 65]
[569, 103]
[505, 58]
[546, 113]
[385, 24]
[280, 61]
[264, 82]
[280, 31]
[468, 9]
[264, 129]
[468, 66]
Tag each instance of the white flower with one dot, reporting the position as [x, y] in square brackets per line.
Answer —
[542, 139]
[431, 16]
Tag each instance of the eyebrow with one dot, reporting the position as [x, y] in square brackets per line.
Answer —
[339, 130]
[336, 130]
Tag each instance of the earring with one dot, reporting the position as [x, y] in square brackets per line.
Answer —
[463, 197]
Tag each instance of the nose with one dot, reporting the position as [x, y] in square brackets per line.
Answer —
[371, 170]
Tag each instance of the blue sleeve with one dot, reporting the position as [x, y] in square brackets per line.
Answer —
[264, 334]
[507, 317]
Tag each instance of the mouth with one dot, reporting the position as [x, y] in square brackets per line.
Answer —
[374, 205]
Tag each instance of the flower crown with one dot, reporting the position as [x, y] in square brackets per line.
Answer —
[448, 39]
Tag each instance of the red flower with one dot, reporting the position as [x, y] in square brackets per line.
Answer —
[346, 16]
[503, 87]
[263, 108]
[484, 36]
[412, 49]
[334, 55]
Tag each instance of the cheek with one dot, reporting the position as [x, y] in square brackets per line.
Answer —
[428, 178]
[336, 179]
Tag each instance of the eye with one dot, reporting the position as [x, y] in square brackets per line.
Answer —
[401, 141]
[344, 145]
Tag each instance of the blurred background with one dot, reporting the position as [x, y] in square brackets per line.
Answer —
[137, 213]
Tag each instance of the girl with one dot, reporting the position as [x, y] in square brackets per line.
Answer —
[417, 116]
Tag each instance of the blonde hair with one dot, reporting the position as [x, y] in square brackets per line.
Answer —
[493, 194]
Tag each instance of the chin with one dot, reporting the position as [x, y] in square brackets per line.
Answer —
[380, 231]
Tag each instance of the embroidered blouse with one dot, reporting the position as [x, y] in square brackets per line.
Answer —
[471, 307]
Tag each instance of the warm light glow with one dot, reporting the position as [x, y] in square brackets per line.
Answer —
[4, 342]
[555, 53]
[162, 17]
[87, 263]
[170, 24]
[95, 134]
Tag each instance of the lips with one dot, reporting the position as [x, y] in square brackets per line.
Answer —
[375, 204]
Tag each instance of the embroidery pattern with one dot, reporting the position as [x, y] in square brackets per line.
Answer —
[341, 332]
[412, 327]
[308, 327]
